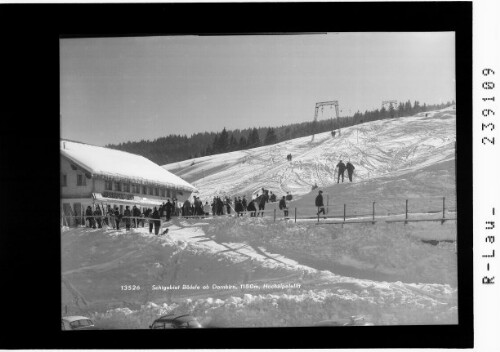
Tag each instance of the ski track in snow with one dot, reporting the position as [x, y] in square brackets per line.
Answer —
[341, 270]
[392, 146]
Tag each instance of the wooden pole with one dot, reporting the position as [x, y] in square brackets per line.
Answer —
[406, 212]
[295, 214]
[373, 220]
[318, 214]
[344, 211]
[443, 207]
[274, 214]
[327, 202]
[442, 221]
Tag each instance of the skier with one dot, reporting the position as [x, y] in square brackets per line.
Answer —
[136, 213]
[251, 208]
[127, 215]
[118, 218]
[156, 221]
[238, 206]
[319, 203]
[98, 216]
[272, 197]
[244, 203]
[283, 207]
[186, 207]
[341, 167]
[350, 169]
[89, 217]
[168, 209]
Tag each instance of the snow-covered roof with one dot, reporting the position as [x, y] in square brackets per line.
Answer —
[106, 162]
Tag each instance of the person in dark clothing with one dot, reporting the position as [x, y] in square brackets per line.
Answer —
[262, 204]
[272, 197]
[174, 207]
[319, 203]
[89, 216]
[238, 206]
[350, 169]
[244, 203]
[251, 208]
[168, 209]
[136, 213]
[127, 214]
[186, 208]
[341, 167]
[220, 206]
[109, 220]
[214, 206]
[283, 207]
[118, 217]
[148, 213]
[228, 205]
[98, 216]
[156, 221]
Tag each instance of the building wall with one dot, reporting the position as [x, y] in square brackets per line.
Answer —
[75, 197]
[71, 189]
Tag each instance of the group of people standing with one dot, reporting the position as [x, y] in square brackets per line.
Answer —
[341, 169]
[134, 217]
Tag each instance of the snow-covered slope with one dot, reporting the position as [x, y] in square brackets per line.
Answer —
[292, 275]
[385, 148]
[254, 271]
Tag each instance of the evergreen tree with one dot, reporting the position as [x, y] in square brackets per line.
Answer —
[223, 141]
[253, 139]
[242, 144]
[271, 137]
[233, 145]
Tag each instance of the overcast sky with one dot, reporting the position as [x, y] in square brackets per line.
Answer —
[119, 89]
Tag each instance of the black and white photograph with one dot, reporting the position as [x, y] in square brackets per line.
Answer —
[241, 175]
[258, 180]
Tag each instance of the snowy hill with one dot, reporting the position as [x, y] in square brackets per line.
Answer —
[255, 271]
[382, 151]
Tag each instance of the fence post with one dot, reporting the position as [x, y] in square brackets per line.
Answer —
[295, 214]
[318, 214]
[406, 212]
[274, 214]
[373, 219]
[442, 221]
[327, 202]
[344, 212]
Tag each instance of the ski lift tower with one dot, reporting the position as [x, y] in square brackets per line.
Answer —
[333, 103]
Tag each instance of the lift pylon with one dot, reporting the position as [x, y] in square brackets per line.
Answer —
[321, 104]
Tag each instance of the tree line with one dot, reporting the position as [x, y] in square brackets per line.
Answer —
[173, 148]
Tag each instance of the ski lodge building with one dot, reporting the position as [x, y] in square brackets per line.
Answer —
[92, 175]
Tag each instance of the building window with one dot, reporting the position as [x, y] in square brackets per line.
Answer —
[144, 190]
[157, 192]
[64, 180]
[118, 186]
[150, 191]
[108, 185]
[163, 192]
[80, 180]
[168, 193]
[126, 187]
